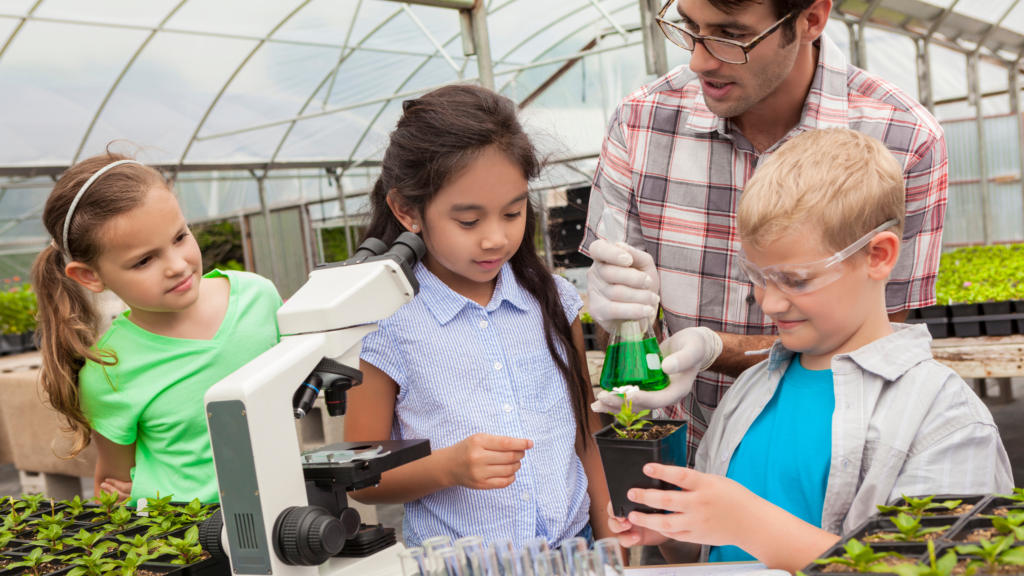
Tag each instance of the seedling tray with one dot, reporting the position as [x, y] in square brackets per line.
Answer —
[996, 503]
[916, 552]
[876, 524]
[624, 461]
[975, 500]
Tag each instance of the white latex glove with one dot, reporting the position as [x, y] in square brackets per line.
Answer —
[686, 353]
[622, 284]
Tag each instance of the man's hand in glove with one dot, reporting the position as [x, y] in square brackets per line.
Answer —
[686, 352]
[622, 284]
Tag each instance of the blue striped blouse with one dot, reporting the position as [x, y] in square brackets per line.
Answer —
[464, 369]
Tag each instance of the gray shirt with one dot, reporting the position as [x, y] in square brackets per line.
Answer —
[903, 424]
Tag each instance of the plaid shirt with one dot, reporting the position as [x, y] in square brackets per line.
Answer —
[677, 170]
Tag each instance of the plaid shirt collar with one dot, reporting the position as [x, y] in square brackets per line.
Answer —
[827, 104]
[890, 357]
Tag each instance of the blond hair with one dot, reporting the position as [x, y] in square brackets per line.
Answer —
[841, 182]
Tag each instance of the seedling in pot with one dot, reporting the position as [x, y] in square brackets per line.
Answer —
[92, 565]
[919, 506]
[910, 529]
[943, 567]
[75, 506]
[861, 558]
[53, 519]
[187, 550]
[159, 506]
[33, 562]
[130, 565]
[631, 422]
[994, 553]
[34, 501]
[161, 525]
[5, 538]
[90, 541]
[108, 502]
[50, 538]
[140, 544]
[119, 520]
[1012, 523]
[194, 511]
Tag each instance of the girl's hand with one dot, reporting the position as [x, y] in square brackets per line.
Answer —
[630, 534]
[484, 461]
[710, 509]
[123, 489]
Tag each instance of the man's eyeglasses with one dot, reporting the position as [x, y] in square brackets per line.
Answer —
[728, 51]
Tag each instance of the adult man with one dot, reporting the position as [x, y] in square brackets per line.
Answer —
[677, 155]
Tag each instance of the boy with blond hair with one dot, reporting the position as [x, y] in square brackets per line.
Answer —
[849, 411]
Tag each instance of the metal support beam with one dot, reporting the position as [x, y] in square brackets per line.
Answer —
[851, 28]
[924, 75]
[481, 44]
[542, 213]
[654, 39]
[271, 240]
[453, 4]
[974, 97]
[862, 49]
[344, 214]
[1013, 84]
[246, 252]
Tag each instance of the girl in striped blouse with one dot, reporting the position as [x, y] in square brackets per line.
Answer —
[487, 361]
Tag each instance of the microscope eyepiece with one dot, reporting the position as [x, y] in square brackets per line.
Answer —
[409, 247]
[371, 247]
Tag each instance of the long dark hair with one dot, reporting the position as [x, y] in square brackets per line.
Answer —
[438, 136]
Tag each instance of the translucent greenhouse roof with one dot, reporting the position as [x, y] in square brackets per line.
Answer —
[215, 89]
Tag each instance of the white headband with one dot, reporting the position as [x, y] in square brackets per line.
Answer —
[74, 203]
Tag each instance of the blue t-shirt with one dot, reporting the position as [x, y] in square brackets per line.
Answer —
[784, 457]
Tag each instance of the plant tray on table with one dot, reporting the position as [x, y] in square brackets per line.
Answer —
[631, 442]
[104, 538]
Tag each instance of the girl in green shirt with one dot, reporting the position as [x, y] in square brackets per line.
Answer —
[138, 390]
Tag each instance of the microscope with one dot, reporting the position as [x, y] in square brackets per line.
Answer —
[284, 512]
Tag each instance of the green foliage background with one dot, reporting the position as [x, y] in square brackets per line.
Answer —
[17, 309]
[221, 245]
[981, 274]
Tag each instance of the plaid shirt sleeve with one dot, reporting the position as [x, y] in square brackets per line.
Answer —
[912, 283]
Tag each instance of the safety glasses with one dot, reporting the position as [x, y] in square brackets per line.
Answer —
[728, 51]
[800, 279]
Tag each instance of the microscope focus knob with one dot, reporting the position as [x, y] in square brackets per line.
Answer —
[209, 535]
[307, 536]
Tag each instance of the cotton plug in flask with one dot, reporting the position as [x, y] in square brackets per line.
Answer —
[633, 357]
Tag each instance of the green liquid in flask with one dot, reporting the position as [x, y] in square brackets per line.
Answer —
[633, 363]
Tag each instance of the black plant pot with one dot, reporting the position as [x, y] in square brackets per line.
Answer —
[1018, 308]
[966, 329]
[10, 344]
[974, 499]
[589, 336]
[624, 462]
[937, 320]
[997, 327]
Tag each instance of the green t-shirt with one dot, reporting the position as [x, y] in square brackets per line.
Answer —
[154, 395]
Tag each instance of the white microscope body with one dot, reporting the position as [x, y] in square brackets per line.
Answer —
[269, 526]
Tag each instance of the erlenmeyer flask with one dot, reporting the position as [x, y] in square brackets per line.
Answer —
[633, 357]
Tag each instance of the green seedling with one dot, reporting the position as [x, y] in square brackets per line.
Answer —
[5, 538]
[140, 544]
[119, 519]
[50, 537]
[1017, 496]
[994, 553]
[942, 567]
[195, 511]
[108, 501]
[861, 558]
[12, 503]
[129, 565]
[186, 550]
[158, 526]
[53, 519]
[910, 529]
[90, 541]
[159, 506]
[33, 501]
[1012, 523]
[75, 505]
[919, 506]
[630, 422]
[33, 562]
[17, 521]
[92, 565]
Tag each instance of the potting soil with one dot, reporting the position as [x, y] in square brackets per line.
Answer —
[961, 568]
[888, 561]
[653, 434]
[877, 537]
[982, 534]
[633, 363]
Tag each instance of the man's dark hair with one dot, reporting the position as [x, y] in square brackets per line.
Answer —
[779, 7]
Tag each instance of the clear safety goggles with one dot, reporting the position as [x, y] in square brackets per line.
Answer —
[800, 279]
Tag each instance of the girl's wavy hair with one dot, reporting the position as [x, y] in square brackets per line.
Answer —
[437, 137]
[67, 320]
